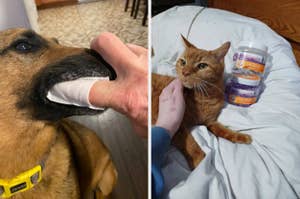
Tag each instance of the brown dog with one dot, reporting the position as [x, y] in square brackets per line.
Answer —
[75, 163]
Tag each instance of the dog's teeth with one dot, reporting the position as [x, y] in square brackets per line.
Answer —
[75, 92]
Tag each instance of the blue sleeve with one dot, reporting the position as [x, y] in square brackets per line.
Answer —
[160, 142]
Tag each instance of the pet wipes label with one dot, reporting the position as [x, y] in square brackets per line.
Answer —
[242, 100]
[250, 66]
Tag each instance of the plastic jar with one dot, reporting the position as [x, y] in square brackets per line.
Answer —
[243, 90]
[247, 73]
[250, 58]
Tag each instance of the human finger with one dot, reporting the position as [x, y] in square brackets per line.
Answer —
[114, 51]
[178, 87]
[168, 90]
[102, 93]
[137, 50]
[178, 91]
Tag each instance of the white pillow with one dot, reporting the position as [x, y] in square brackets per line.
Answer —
[270, 166]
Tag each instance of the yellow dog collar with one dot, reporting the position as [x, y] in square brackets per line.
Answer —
[22, 182]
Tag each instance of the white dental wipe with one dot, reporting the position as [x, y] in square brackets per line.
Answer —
[74, 92]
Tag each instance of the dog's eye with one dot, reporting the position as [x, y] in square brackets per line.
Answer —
[23, 46]
[202, 65]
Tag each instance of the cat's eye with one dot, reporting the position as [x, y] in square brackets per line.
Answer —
[202, 65]
[182, 61]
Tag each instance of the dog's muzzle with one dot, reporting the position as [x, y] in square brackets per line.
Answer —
[86, 64]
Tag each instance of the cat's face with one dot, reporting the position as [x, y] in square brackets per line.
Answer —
[197, 67]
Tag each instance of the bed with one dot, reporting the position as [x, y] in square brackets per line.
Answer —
[281, 15]
[270, 166]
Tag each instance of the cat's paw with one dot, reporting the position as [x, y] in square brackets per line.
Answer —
[243, 139]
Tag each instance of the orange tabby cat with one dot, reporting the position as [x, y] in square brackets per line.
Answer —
[201, 73]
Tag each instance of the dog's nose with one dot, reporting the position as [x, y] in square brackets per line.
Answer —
[92, 52]
[100, 59]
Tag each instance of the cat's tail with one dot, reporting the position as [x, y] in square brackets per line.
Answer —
[221, 131]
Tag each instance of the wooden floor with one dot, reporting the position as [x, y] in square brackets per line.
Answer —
[129, 152]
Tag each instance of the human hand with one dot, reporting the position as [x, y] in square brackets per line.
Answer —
[171, 107]
[128, 93]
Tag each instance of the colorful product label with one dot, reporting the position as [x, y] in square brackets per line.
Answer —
[248, 77]
[251, 57]
[250, 61]
[250, 66]
[242, 100]
[245, 92]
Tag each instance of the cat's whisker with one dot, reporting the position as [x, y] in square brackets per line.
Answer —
[197, 88]
[204, 89]
[201, 92]
[210, 84]
[201, 88]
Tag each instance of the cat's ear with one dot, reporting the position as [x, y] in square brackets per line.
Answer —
[186, 42]
[221, 51]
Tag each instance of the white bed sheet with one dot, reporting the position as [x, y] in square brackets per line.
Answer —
[269, 167]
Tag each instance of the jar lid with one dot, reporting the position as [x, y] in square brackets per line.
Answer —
[251, 44]
[249, 80]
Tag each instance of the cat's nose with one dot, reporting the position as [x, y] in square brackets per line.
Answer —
[186, 72]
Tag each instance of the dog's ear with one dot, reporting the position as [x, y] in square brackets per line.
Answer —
[97, 173]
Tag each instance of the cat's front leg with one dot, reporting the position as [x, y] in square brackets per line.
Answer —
[220, 130]
[184, 141]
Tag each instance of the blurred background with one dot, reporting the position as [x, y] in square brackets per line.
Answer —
[159, 6]
[76, 23]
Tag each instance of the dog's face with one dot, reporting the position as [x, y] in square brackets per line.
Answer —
[31, 64]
